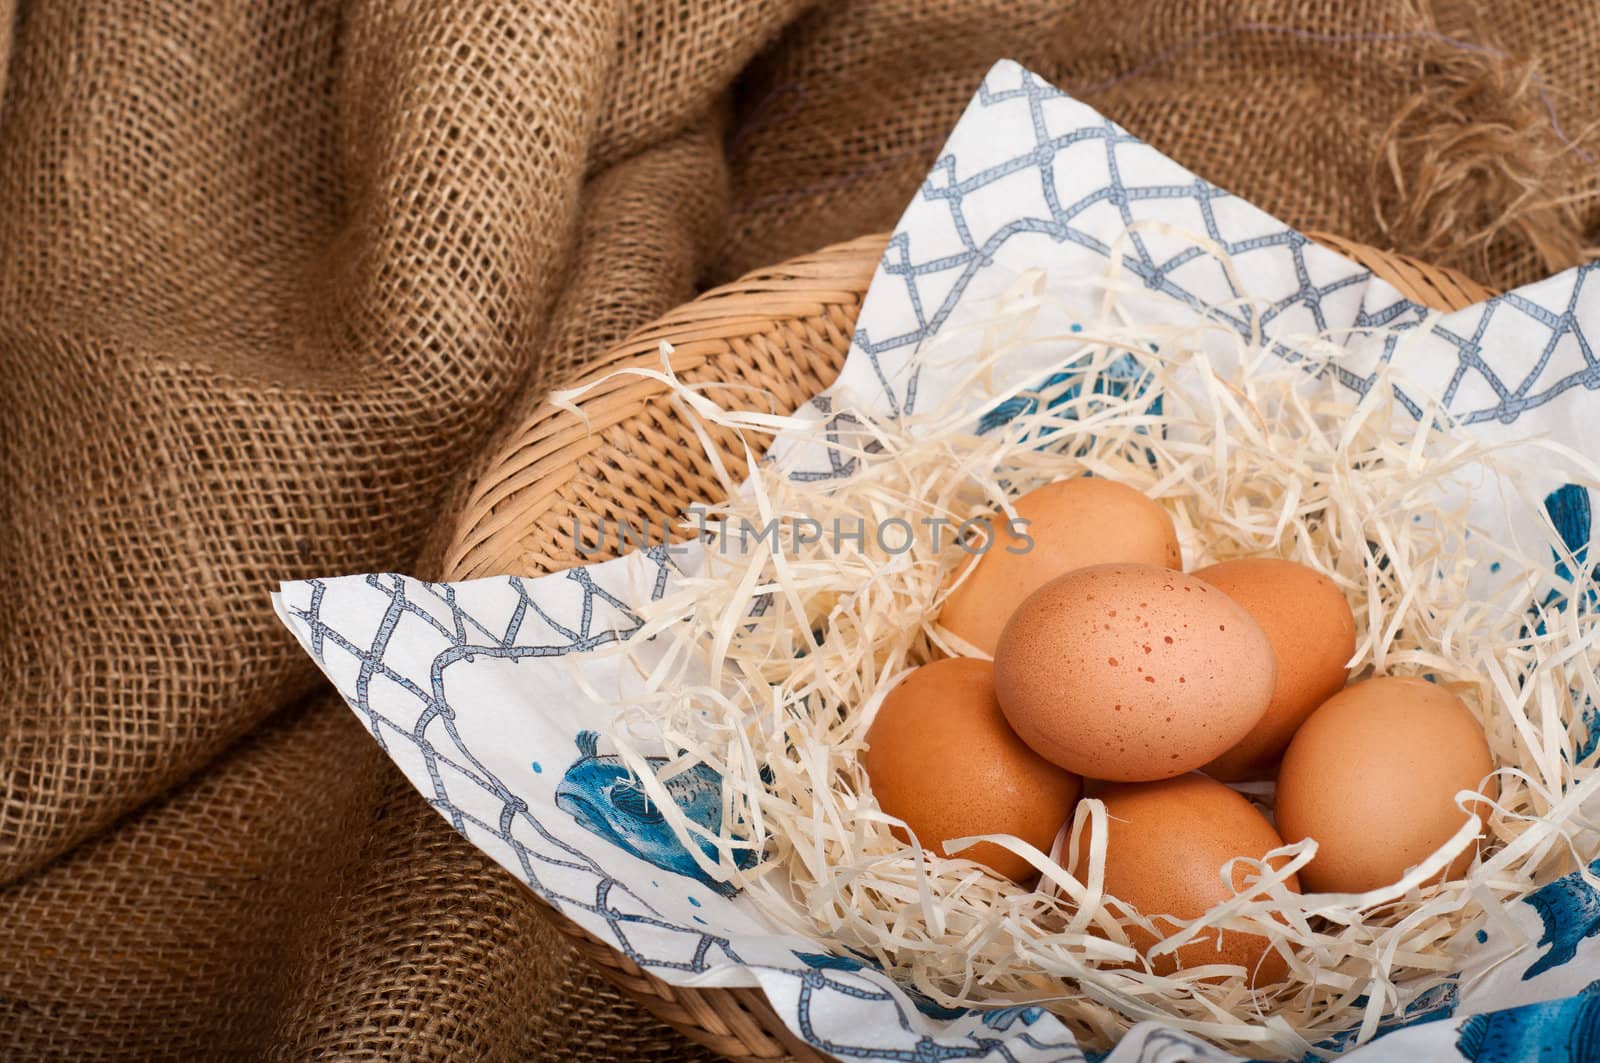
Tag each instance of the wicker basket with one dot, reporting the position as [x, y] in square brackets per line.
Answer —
[784, 330]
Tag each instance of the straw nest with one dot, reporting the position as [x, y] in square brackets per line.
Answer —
[767, 661]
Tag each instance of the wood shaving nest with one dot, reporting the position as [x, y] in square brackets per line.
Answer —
[768, 666]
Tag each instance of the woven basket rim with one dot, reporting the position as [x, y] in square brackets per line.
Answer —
[740, 1024]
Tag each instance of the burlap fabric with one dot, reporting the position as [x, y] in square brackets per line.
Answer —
[272, 273]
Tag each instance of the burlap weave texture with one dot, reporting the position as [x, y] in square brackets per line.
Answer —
[272, 276]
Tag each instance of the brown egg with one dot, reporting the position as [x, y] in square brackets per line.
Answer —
[941, 757]
[1313, 636]
[1072, 523]
[1132, 673]
[1166, 844]
[1373, 775]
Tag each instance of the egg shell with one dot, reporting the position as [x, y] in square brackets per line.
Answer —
[1072, 523]
[1373, 775]
[1166, 845]
[941, 756]
[1132, 673]
[1313, 635]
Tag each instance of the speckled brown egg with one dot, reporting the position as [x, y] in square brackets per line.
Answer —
[1313, 635]
[1166, 845]
[1072, 524]
[1132, 673]
[1373, 775]
[941, 756]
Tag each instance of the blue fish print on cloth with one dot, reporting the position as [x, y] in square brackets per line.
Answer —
[1551, 1031]
[1430, 1006]
[1125, 376]
[1571, 513]
[605, 797]
[1005, 1018]
[1436, 1004]
[827, 961]
[1570, 911]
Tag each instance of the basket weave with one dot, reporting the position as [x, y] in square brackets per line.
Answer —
[784, 330]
